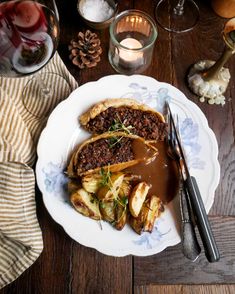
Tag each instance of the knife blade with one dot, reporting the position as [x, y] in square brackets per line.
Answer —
[198, 208]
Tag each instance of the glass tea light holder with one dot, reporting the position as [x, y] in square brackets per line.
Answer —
[132, 37]
[209, 79]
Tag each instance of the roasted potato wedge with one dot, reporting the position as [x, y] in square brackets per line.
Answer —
[151, 210]
[137, 198]
[86, 204]
[121, 212]
[120, 217]
[154, 208]
[137, 223]
[112, 188]
[91, 183]
[125, 189]
[107, 209]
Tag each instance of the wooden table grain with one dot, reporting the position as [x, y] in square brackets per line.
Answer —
[68, 267]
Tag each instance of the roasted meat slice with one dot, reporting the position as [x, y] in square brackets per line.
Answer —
[113, 150]
[124, 115]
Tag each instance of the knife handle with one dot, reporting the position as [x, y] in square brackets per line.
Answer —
[190, 246]
[204, 228]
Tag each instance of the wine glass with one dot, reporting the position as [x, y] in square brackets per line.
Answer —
[29, 35]
[177, 15]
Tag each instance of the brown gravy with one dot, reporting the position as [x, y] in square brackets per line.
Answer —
[161, 173]
[143, 152]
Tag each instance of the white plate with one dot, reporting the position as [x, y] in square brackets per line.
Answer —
[63, 132]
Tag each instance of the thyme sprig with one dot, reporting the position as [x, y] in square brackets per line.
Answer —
[106, 179]
[123, 203]
[105, 176]
[117, 125]
[114, 141]
[93, 200]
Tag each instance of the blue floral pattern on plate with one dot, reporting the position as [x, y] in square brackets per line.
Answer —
[55, 180]
[148, 240]
[153, 98]
[189, 133]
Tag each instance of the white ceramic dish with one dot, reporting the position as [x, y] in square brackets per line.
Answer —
[63, 133]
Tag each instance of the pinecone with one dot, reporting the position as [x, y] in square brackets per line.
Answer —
[85, 50]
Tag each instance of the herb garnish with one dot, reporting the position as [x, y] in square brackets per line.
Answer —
[124, 201]
[105, 176]
[118, 125]
[114, 141]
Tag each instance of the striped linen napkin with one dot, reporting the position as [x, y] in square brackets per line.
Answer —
[20, 125]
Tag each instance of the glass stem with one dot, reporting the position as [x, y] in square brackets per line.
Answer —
[56, 10]
[45, 91]
[179, 9]
[214, 70]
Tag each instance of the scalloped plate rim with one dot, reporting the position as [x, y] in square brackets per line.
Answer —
[168, 242]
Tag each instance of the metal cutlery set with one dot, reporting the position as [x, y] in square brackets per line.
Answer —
[191, 204]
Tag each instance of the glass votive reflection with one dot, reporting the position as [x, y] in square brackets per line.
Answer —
[132, 37]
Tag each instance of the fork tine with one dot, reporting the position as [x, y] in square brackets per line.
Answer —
[173, 137]
[171, 144]
[168, 124]
[178, 124]
[171, 131]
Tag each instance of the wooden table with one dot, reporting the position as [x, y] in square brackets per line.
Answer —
[67, 267]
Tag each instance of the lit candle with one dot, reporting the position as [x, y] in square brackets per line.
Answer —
[128, 55]
[132, 38]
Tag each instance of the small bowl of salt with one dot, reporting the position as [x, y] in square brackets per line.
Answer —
[97, 14]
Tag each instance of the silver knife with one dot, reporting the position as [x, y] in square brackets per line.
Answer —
[198, 208]
[190, 247]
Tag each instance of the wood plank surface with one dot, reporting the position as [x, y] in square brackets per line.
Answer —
[90, 269]
[185, 289]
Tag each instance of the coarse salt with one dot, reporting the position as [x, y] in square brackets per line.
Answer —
[96, 10]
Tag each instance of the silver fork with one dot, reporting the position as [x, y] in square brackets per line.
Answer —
[190, 246]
